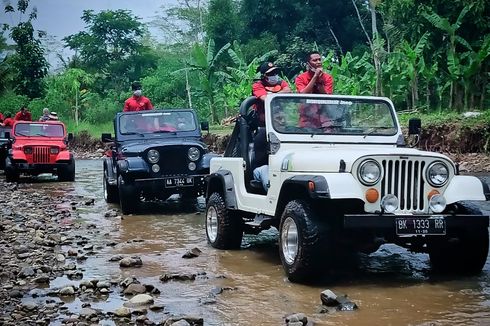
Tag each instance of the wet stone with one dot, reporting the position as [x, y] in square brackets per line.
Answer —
[27, 272]
[69, 290]
[194, 252]
[134, 261]
[133, 289]
[139, 300]
[15, 294]
[157, 307]
[296, 319]
[43, 279]
[178, 277]
[116, 258]
[122, 312]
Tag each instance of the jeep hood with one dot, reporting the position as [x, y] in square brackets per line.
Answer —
[327, 159]
[142, 145]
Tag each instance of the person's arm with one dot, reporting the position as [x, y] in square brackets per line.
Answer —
[285, 87]
[149, 106]
[126, 106]
[17, 116]
[328, 81]
[258, 90]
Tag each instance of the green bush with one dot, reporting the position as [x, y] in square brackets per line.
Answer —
[11, 103]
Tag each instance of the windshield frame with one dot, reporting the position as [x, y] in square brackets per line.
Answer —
[18, 133]
[163, 131]
[355, 137]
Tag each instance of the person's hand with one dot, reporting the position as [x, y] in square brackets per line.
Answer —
[318, 72]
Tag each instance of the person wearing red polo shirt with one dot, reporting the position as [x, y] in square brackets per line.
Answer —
[137, 102]
[269, 82]
[314, 81]
[23, 115]
[8, 121]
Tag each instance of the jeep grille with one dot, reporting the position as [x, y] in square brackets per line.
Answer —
[40, 154]
[173, 160]
[404, 179]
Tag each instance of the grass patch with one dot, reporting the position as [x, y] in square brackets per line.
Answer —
[94, 130]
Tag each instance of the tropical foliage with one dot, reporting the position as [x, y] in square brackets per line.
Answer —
[430, 56]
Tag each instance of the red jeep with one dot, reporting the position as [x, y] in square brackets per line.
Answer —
[39, 147]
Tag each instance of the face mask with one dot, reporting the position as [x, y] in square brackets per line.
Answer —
[273, 80]
[137, 92]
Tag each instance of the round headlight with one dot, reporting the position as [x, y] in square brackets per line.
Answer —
[153, 156]
[192, 166]
[155, 168]
[369, 172]
[193, 154]
[437, 174]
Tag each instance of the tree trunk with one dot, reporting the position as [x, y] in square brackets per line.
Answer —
[76, 107]
[335, 38]
[188, 88]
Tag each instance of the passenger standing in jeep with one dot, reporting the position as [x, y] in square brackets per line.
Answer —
[137, 102]
[269, 82]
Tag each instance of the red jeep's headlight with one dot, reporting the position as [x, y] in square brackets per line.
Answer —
[54, 150]
[28, 150]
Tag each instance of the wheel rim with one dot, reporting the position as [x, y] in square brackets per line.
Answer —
[104, 185]
[289, 240]
[212, 223]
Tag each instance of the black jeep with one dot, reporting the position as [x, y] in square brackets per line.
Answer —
[155, 154]
[4, 145]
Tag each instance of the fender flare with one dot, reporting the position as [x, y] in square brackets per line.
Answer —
[222, 181]
[320, 191]
[112, 177]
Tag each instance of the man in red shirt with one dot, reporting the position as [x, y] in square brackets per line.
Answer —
[313, 81]
[269, 82]
[8, 121]
[23, 115]
[137, 102]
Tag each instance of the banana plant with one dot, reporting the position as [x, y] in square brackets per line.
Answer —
[452, 56]
[205, 63]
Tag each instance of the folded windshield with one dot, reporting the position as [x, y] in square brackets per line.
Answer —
[148, 122]
[313, 116]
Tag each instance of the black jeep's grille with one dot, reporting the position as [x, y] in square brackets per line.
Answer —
[40, 154]
[173, 160]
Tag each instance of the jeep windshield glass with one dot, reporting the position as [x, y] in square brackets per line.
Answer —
[150, 122]
[39, 130]
[292, 115]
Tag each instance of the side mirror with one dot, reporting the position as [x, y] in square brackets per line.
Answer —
[205, 125]
[70, 136]
[106, 138]
[414, 126]
[7, 135]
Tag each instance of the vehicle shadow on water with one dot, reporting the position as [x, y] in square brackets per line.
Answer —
[173, 205]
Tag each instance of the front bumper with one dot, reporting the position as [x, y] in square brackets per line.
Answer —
[171, 184]
[36, 168]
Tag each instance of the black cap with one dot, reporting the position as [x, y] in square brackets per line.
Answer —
[135, 86]
[267, 68]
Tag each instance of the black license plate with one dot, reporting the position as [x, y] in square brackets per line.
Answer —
[179, 182]
[435, 225]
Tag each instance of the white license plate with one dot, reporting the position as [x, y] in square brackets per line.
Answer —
[179, 182]
[435, 225]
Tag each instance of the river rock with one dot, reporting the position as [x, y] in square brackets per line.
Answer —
[43, 279]
[88, 313]
[298, 319]
[69, 290]
[131, 262]
[178, 277]
[122, 312]
[139, 300]
[27, 272]
[103, 285]
[194, 252]
[340, 302]
[116, 258]
[127, 281]
[133, 289]
[181, 322]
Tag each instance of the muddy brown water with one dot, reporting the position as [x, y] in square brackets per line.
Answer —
[391, 286]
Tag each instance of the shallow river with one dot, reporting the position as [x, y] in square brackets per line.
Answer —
[391, 286]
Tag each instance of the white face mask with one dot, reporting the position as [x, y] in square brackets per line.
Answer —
[273, 80]
[137, 92]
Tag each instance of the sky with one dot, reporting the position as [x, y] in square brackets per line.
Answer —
[60, 18]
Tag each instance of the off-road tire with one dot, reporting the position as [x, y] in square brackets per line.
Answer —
[67, 173]
[129, 198]
[11, 175]
[468, 255]
[313, 246]
[229, 226]
[111, 193]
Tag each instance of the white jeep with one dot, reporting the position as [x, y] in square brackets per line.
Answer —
[342, 180]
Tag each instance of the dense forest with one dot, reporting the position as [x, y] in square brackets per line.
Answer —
[427, 56]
